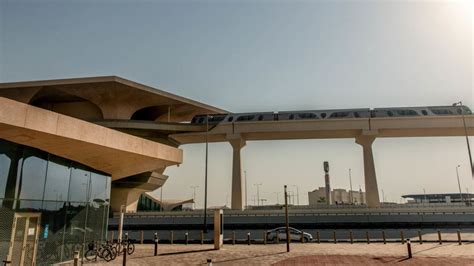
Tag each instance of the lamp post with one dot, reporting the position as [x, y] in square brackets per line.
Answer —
[258, 192]
[205, 174]
[350, 183]
[459, 183]
[246, 188]
[297, 194]
[467, 137]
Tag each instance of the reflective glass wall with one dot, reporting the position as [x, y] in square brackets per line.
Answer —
[73, 200]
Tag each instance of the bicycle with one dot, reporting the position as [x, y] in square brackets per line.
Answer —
[103, 251]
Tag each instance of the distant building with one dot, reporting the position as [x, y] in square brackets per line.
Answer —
[338, 196]
[440, 198]
[149, 202]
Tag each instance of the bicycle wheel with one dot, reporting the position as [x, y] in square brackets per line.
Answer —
[130, 248]
[113, 252]
[91, 255]
[106, 255]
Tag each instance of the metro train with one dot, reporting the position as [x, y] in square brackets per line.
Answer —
[215, 119]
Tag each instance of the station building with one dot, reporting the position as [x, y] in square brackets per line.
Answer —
[73, 150]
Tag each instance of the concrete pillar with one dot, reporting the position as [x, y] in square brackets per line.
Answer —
[237, 182]
[371, 188]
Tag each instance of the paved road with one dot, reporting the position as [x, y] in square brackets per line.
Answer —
[428, 253]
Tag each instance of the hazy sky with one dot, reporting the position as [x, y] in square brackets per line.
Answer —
[267, 56]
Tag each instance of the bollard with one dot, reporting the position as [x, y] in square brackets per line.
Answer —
[209, 262]
[459, 237]
[318, 236]
[248, 238]
[334, 236]
[141, 237]
[278, 237]
[409, 248]
[420, 237]
[186, 238]
[124, 256]
[171, 237]
[402, 237]
[264, 237]
[202, 237]
[302, 237]
[439, 237]
[351, 237]
[126, 236]
[367, 236]
[155, 240]
[76, 258]
[233, 237]
[384, 238]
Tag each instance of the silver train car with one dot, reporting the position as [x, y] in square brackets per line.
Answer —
[333, 114]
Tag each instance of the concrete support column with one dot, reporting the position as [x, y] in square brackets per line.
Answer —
[371, 188]
[237, 182]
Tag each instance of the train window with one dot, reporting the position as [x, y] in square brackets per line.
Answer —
[201, 120]
[260, 117]
[442, 112]
[323, 115]
[356, 114]
[230, 118]
[246, 118]
[407, 112]
[339, 114]
[424, 112]
[292, 116]
[307, 116]
[390, 113]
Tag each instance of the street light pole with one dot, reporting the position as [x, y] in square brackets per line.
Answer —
[350, 183]
[297, 194]
[205, 174]
[246, 188]
[467, 137]
[459, 183]
[258, 192]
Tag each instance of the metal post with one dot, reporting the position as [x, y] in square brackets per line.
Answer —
[334, 236]
[383, 237]
[287, 223]
[302, 237]
[120, 228]
[155, 240]
[233, 237]
[350, 183]
[248, 238]
[141, 237]
[467, 137]
[439, 237]
[318, 236]
[202, 237]
[351, 237]
[264, 237]
[409, 248]
[126, 236]
[112, 236]
[209, 262]
[420, 237]
[278, 237]
[205, 174]
[171, 237]
[186, 238]
[367, 236]
[124, 255]
[459, 237]
[76, 258]
[402, 237]
[459, 183]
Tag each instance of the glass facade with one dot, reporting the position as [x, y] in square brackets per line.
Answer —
[71, 199]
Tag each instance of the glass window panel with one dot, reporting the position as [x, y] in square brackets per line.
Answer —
[57, 179]
[33, 174]
[79, 185]
[5, 162]
[98, 188]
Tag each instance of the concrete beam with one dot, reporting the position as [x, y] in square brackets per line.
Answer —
[370, 177]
